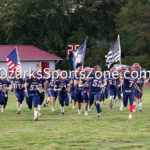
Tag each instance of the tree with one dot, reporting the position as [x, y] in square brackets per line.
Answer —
[133, 24]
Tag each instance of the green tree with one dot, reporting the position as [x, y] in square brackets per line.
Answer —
[133, 24]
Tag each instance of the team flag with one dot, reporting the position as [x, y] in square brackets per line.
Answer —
[114, 54]
[78, 55]
[13, 61]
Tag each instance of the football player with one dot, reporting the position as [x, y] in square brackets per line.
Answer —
[62, 86]
[17, 85]
[129, 83]
[2, 95]
[32, 86]
[140, 82]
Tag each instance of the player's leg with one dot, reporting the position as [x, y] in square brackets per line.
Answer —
[29, 102]
[72, 95]
[140, 100]
[121, 105]
[140, 104]
[91, 99]
[66, 99]
[97, 102]
[22, 95]
[102, 99]
[131, 99]
[86, 99]
[19, 101]
[2, 101]
[135, 92]
[35, 101]
[6, 100]
[125, 99]
[119, 94]
[106, 93]
[48, 99]
[53, 100]
[41, 95]
[80, 100]
[134, 103]
[111, 99]
[61, 102]
[78, 96]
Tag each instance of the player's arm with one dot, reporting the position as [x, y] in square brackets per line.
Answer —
[76, 82]
[56, 87]
[45, 85]
[26, 85]
[137, 87]
[12, 86]
[23, 85]
[81, 84]
[144, 80]
[40, 88]
[69, 85]
[4, 89]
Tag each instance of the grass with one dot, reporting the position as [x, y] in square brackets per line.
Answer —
[113, 131]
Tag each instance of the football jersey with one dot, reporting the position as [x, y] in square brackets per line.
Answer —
[18, 84]
[140, 82]
[95, 83]
[6, 84]
[62, 86]
[112, 83]
[76, 87]
[86, 83]
[128, 84]
[50, 85]
[32, 87]
[41, 82]
[1, 85]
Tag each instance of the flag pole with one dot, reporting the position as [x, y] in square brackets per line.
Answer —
[120, 56]
[18, 56]
[119, 48]
[85, 51]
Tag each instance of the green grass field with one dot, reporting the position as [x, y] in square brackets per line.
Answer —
[73, 132]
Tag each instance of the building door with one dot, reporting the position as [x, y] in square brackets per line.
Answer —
[44, 65]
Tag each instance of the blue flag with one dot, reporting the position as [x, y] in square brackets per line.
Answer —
[77, 57]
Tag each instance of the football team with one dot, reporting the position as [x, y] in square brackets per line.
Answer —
[78, 90]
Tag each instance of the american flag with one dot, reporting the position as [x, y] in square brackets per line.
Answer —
[13, 61]
[114, 54]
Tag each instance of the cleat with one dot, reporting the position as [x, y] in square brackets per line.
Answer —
[98, 115]
[111, 105]
[121, 108]
[100, 109]
[2, 110]
[52, 109]
[36, 119]
[45, 105]
[86, 113]
[140, 109]
[130, 116]
[79, 112]
[89, 108]
[18, 112]
[73, 107]
[62, 113]
[39, 114]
